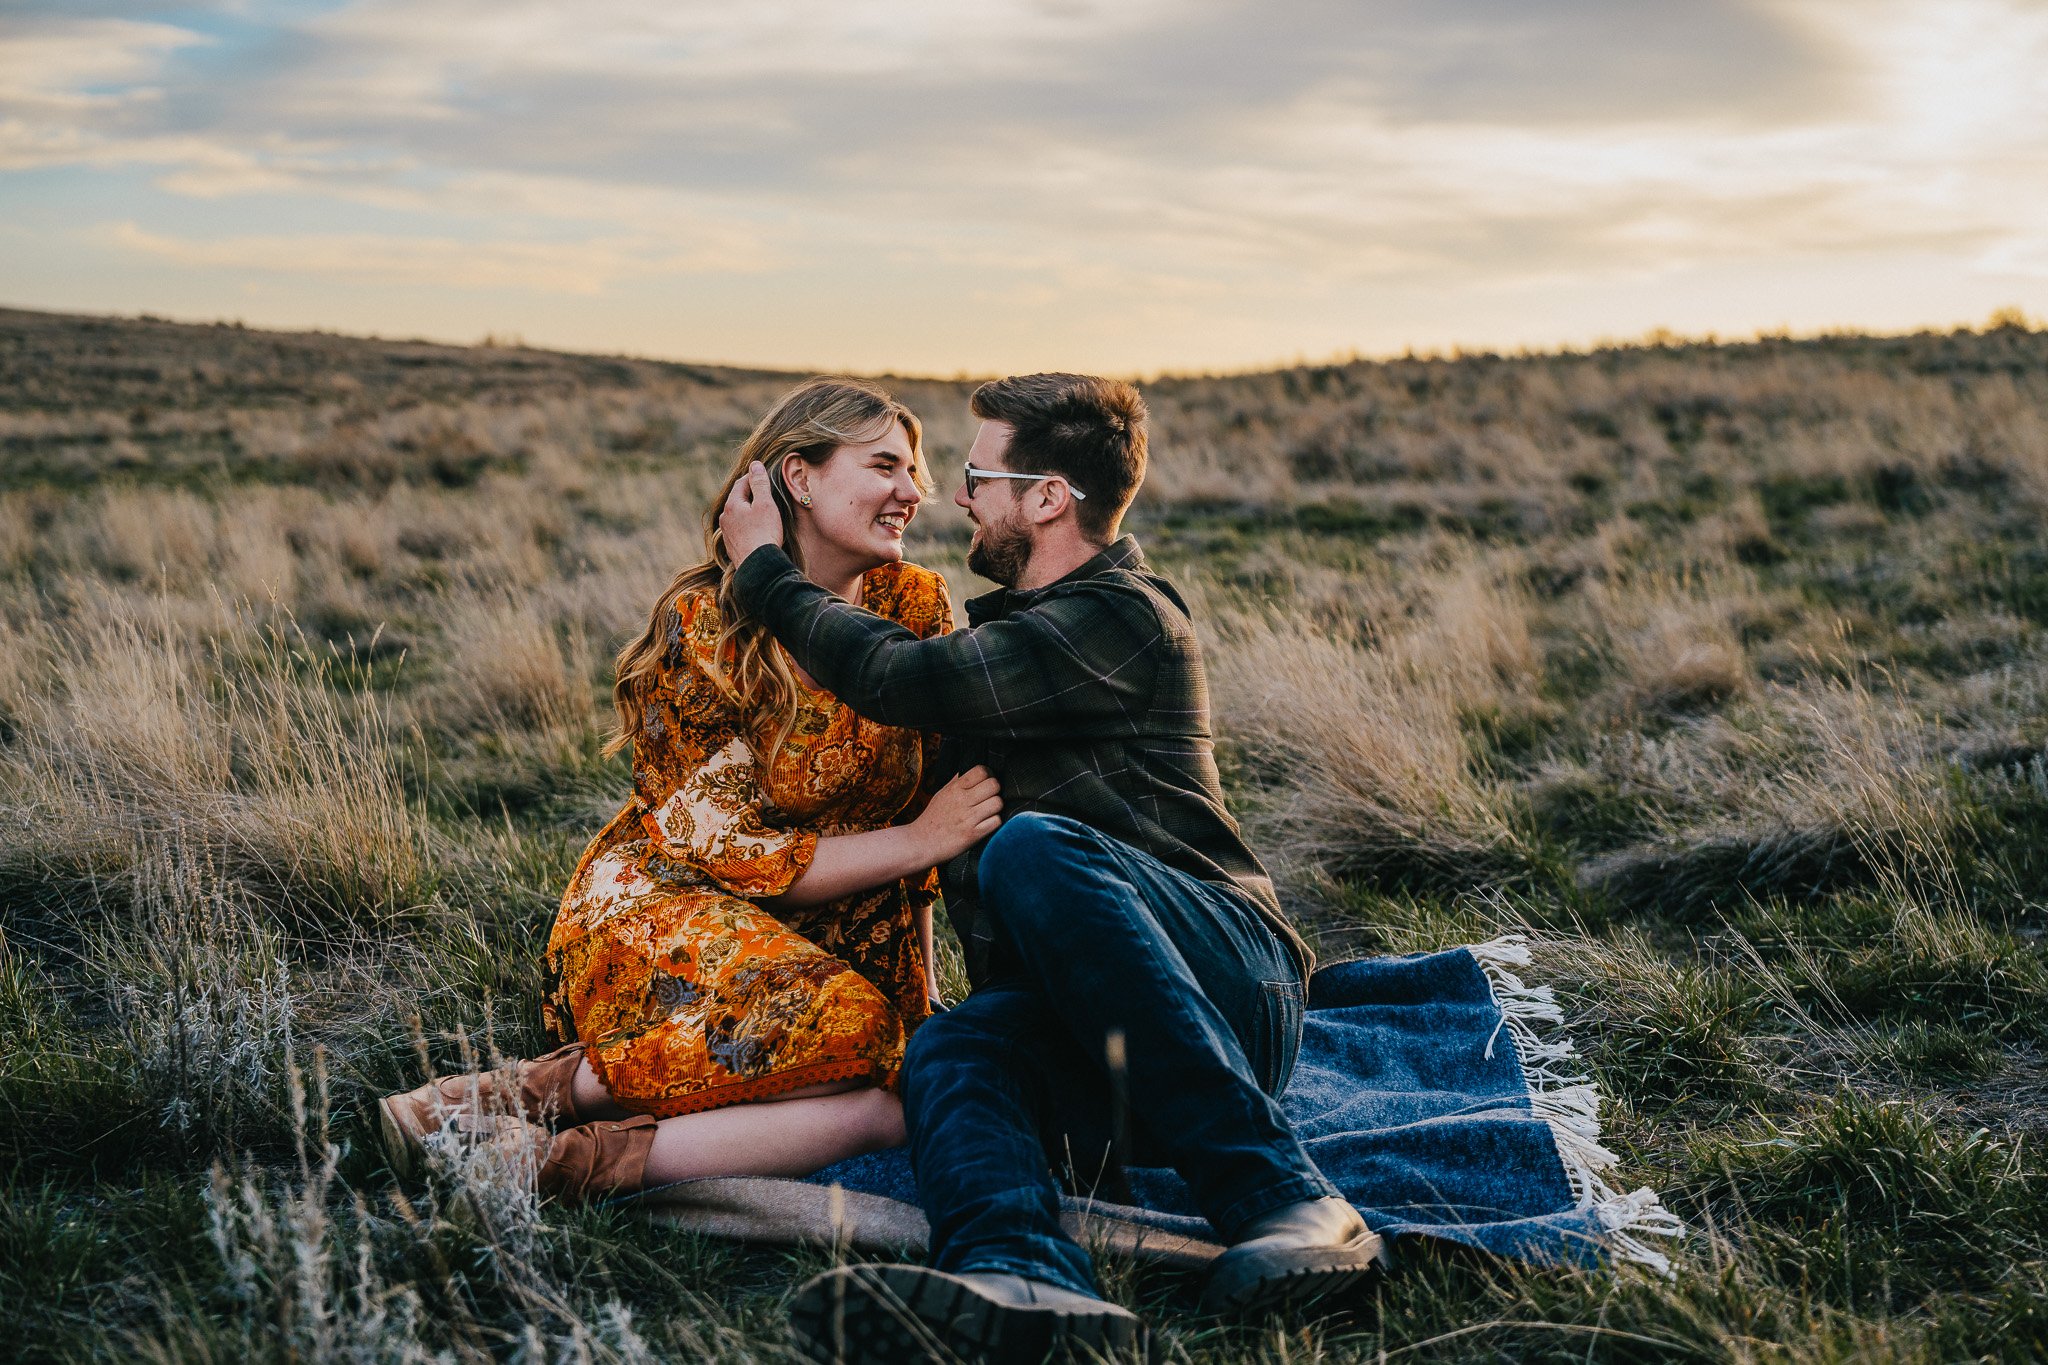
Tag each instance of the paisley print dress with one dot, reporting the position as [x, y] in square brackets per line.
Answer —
[687, 992]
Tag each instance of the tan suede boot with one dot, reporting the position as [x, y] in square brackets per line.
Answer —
[1292, 1256]
[539, 1090]
[598, 1159]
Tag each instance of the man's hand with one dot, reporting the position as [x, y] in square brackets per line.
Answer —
[750, 519]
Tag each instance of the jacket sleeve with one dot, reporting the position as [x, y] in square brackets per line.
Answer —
[698, 777]
[1075, 664]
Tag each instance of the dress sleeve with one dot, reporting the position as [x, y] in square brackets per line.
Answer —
[696, 774]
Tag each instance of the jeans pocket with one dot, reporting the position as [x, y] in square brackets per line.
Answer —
[1280, 1010]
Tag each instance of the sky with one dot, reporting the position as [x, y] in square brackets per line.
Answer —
[977, 186]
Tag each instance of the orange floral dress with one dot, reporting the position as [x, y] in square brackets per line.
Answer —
[687, 993]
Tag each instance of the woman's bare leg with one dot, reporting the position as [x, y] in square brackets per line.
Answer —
[593, 1101]
[775, 1137]
[791, 1135]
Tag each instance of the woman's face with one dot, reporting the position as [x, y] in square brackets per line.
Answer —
[862, 498]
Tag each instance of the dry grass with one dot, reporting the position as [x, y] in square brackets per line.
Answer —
[1673, 638]
[1723, 669]
[1358, 745]
[508, 665]
[229, 753]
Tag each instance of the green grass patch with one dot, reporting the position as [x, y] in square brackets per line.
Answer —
[1683, 1037]
[1868, 1185]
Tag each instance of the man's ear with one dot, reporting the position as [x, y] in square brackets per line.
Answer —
[1046, 500]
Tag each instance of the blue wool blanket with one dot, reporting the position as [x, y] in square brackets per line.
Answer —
[1426, 1092]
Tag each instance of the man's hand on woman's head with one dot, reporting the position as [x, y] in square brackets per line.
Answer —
[750, 519]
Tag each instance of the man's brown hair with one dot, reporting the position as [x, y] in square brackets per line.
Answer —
[1090, 431]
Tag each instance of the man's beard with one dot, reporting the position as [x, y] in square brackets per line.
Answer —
[1000, 552]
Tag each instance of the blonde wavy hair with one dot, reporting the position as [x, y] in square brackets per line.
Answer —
[812, 420]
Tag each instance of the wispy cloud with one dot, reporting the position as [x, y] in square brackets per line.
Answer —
[64, 66]
[583, 267]
[1039, 158]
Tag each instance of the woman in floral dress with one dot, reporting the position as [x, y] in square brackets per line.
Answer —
[745, 947]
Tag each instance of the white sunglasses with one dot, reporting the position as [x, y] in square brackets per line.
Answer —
[974, 474]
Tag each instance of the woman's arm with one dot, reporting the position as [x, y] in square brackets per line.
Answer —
[846, 863]
[961, 813]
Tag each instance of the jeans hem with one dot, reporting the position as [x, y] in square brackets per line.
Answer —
[1293, 1190]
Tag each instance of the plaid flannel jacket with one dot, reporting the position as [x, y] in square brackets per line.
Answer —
[1085, 698]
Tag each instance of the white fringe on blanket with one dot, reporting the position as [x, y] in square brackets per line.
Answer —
[1569, 1102]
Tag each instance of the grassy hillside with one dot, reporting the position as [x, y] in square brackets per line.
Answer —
[1721, 670]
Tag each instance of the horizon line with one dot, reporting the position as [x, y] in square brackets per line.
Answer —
[1654, 338]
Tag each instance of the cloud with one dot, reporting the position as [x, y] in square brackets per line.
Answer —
[1078, 150]
[56, 65]
[587, 267]
[776, 40]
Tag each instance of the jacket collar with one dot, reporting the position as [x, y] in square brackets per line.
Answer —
[1121, 553]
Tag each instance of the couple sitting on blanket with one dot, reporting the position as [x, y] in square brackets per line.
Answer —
[745, 951]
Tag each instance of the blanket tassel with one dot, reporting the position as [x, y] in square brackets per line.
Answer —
[1569, 1102]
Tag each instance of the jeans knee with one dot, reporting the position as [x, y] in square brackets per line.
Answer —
[924, 1045]
[1026, 859]
[942, 1041]
[1022, 842]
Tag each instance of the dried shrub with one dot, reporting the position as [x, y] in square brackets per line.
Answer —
[255, 764]
[1673, 641]
[1365, 768]
[1722, 871]
[508, 664]
[1822, 790]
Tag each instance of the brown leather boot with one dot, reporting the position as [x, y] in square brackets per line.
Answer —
[598, 1159]
[539, 1090]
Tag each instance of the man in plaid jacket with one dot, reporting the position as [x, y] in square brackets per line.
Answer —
[1137, 992]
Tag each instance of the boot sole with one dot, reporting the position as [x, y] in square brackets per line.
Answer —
[401, 1148]
[1277, 1281]
[894, 1314]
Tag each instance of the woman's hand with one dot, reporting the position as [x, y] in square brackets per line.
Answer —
[963, 811]
[960, 814]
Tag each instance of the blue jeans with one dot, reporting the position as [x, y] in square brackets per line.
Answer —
[1095, 937]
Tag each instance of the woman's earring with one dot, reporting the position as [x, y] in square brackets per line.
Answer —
[805, 499]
